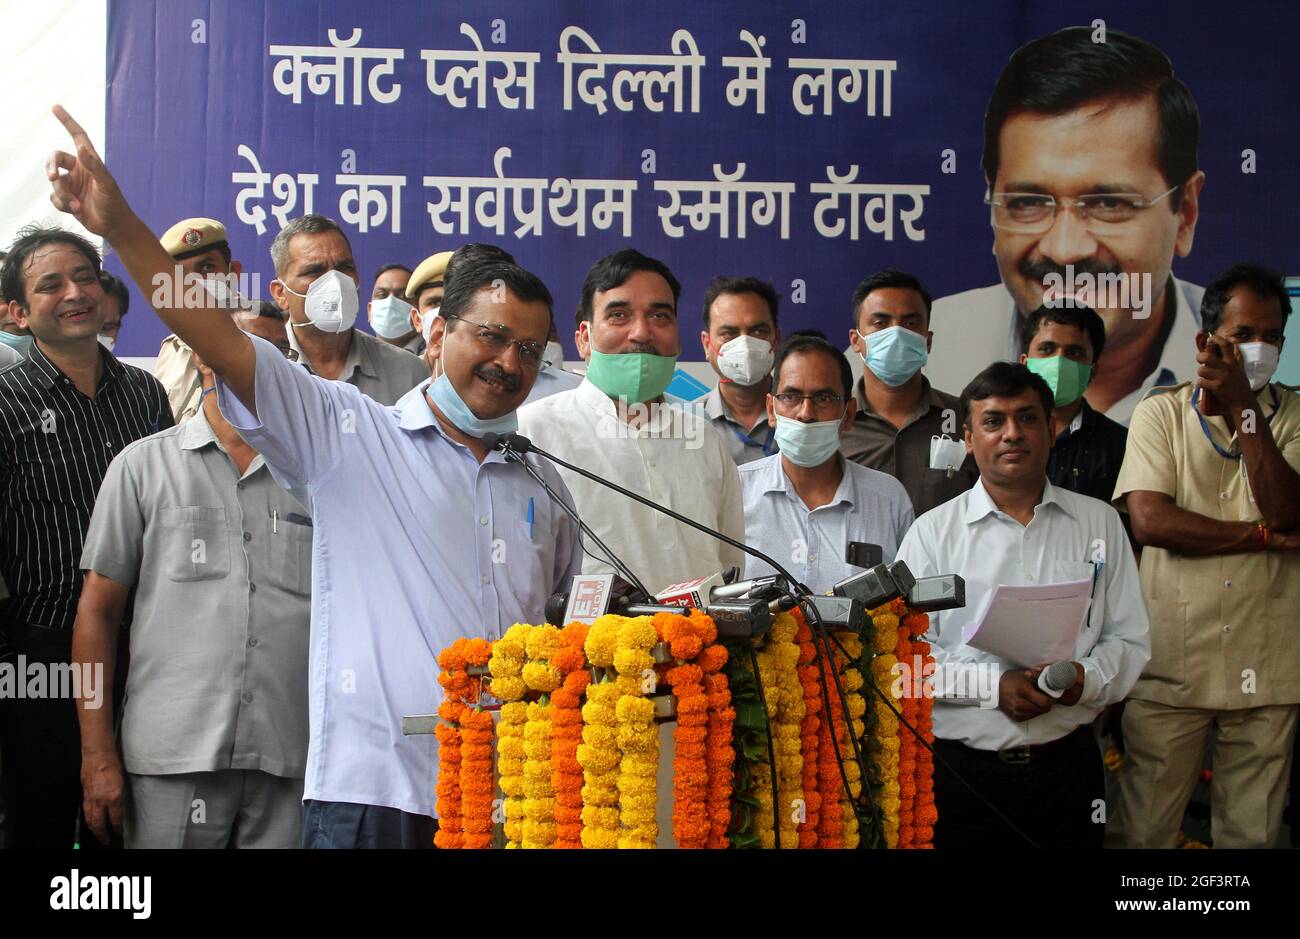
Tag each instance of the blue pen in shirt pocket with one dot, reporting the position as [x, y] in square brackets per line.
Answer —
[530, 518]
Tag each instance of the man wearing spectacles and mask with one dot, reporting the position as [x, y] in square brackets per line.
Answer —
[1211, 481]
[1090, 158]
[421, 534]
[806, 503]
[902, 425]
[316, 286]
[617, 424]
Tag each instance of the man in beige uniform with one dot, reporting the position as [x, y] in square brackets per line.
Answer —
[424, 291]
[1215, 499]
[199, 246]
[212, 745]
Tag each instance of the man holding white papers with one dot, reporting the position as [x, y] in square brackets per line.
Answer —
[1030, 756]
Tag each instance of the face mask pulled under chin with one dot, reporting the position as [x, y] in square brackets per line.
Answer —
[331, 302]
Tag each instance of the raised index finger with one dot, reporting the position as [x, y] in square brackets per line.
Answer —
[74, 129]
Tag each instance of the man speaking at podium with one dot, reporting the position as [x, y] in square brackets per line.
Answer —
[1030, 754]
[421, 534]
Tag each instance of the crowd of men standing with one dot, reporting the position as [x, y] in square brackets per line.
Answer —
[259, 550]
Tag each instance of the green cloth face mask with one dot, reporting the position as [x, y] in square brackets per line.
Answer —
[631, 376]
[1067, 378]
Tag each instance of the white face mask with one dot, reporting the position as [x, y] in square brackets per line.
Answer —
[224, 295]
[746, 360]
[391, 316]
[108, 342]
[332, 302]
[426, 322]
[553, 357]
[947, 454]
[1260, 361]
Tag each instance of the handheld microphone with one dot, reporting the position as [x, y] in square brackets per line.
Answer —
[1057, 678]
[765, 588]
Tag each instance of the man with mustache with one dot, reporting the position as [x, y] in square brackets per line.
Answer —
[1031, 755]
[421, 534]
[1091, 167]
[617, 425]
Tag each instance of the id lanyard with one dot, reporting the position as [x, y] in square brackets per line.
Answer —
[748, 441]
[1205, 427]
[1226, 454]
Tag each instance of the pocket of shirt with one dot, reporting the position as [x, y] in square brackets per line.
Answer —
[198, 543]
[1066, 571]
[291, 555]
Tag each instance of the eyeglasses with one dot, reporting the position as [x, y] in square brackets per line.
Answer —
[1033, 213]
[823, 401]
[530, 352]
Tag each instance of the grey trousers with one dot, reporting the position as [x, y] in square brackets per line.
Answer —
[230, 808]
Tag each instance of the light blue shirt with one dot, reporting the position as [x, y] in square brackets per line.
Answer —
[868, 506]
[415, 544]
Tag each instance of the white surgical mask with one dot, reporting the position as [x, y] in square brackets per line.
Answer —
[426, 322]
[553, 357]
[332, 302]
[108, 342]
[391, 316]
[1260, 361]
[947, 454]
[807, 445]
[746, 360]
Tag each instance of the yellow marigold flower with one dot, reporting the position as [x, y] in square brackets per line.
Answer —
[783, 629]
[602, 640]
[541, 677]
[508, 689]
[542, 642]
[633, 662]
[597, 839]
[852, 644]
[501, 666]
[638, 633]
[635, 710]
[851, 679]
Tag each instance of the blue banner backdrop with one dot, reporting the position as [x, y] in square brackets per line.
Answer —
[612, 125]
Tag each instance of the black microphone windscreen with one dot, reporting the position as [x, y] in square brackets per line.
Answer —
[519, 442]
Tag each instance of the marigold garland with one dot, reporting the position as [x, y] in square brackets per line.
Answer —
[566, 735]
[460, 689]
[809, 680]
[778, 670]
[506, 667]
[598, 754]
[638, 734]
[540, 675]
[476, 783]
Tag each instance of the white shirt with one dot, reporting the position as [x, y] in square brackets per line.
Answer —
[976, 328]
[969, 536]
[415, 544]
[868, 506]
[675, 458]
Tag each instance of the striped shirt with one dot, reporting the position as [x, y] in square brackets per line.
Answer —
[55, 447]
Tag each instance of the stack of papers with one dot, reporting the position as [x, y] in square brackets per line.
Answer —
[1032, 625]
